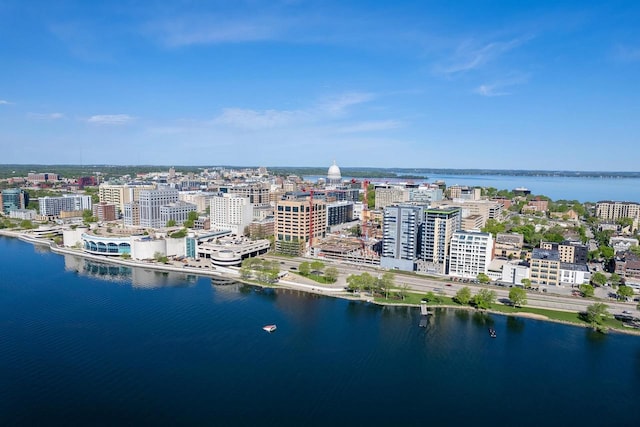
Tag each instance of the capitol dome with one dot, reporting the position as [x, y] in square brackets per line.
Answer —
[334, 172]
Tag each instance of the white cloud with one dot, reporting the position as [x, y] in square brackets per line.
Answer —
[110, 119]
[46, 116]
[339, 104]
[469, 56]
[4, 102]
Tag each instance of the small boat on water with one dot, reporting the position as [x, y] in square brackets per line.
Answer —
[269, 328]
[492, 333]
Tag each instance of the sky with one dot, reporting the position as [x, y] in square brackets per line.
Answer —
[551, 85]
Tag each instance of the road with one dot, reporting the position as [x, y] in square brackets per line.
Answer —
[553, 299]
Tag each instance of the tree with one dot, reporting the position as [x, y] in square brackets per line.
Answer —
[614, 279]
[192, 216]
[463, 296]
[483, 278]
[331, 273]
[598, 279]
[386, 282]
[26, 224]
[171, 223]
[606, 252]
[404, 290]
[526, 283]
[596, 314]
[518, 296]
[484, 298]
[494, 227]
[304, 268]
[317, 265]
[624, 292]
[586, 290]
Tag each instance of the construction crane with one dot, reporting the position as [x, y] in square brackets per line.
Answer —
[310, 218]
[364, 216]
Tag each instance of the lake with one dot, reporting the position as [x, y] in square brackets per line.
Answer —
[85, 343]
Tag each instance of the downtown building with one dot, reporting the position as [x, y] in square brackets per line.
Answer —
[231, 212]
[298, 223]
[54, 206]
[613, 211]
[470, 254]
[150, 206]
[401, 228]
[121, 194]
[437, 230]
[13, 199]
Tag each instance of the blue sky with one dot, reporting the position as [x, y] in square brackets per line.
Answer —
[431, 84]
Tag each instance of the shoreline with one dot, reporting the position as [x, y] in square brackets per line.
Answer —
[286, 284]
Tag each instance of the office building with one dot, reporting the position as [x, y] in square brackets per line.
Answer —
[298, 223]
[13, 199]
[231, 212]
[150, 204]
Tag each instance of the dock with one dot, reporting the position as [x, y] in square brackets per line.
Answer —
[424, 310]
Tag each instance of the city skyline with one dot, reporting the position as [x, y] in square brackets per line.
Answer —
[550, 86]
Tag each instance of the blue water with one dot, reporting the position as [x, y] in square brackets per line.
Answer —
[88, 344]
[582, 189]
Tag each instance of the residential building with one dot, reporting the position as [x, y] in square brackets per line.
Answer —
[297, 223]
[13, 199]
[628, 265]
[508, 245]
[472, 222]
[387, 195]
[545, 267]
[131, 214]
[437, 229]
[105, 211]
[622, 244]
[614, 211]
[425, 194]
[470, 253]
[231, 212]
[464, 192]
[401, 227]
[570, 252]
[52, 206]
[201, 199]
[257, 192]
[339, 213]
[119, 194]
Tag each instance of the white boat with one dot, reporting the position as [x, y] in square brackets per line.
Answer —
[269, 328]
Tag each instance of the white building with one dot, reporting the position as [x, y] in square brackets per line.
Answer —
[514, 271]
[198, 198]
[151, 202]
[231, 212]
[178, 212]
[28, 214]
[52, 206]
[470, 253]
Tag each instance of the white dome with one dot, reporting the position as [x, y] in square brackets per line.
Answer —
[334, 172]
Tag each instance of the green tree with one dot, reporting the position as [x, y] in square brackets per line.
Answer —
[26, 224]
[586, 290]
[494, 227]
[386, 282]
[598, 279]
[484, 298]
[317, 265]
[171, 223]
[331, 273]
[192, 216]
[304, 268]
[624, 292]
[526, 283]
[517, 296]
[483, 278]
[354, 283]
[463, 296]
[614, 279]
[404, 290]
[606, 252]
[596, 314]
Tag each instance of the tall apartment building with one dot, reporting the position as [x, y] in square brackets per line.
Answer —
[613, 211]
[437, 230]
[389, 195]
[487, 209]
[150, 204]
[231, 212]
[339, 213]
[470, 254]
[296, 221]
[119, 194]
[465, 193]
[52, 206]
[131, 214]
[401, 226]
[569, 251]
[13, 199]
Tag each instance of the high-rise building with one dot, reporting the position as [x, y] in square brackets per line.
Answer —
[387, 195]
[258, 193]
[470, 254]
[53, 206]
[297, 222]
[151, 202]
[613, 211]
[439, 225]
[119, 194]
[230, 212]
[401, 236]
[13, 199]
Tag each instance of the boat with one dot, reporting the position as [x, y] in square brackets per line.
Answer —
[269, 328]
[492, 332]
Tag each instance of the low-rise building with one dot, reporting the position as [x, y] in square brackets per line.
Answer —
[508, 245]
